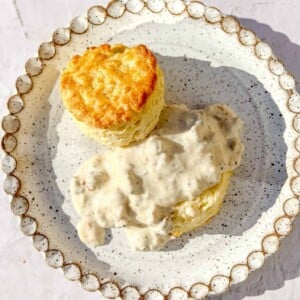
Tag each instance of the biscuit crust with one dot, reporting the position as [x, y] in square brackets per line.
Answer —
[206, 206]
[108, 86]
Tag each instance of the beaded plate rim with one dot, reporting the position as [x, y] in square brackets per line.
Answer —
[95, 16]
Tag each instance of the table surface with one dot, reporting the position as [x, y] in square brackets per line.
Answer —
[24, 25]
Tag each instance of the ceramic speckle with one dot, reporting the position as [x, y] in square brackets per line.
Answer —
[54, 258]
[61, 36]
[72, 272]
[90, 282]
[135, 6]
[10, 124]
[28, 225]
[96, 15]
[9, 143]
[11, 184]
[199, 291]
[276, 67]
[255, 260]
[153, 295]
[196, 9]
[79, 25]
[34, 66]
[263, 50]
[15, 104]
[177, 294]
[115, 9]
[130, 293]
[19, 205]
[176, 7]
[270, 244]
[295, 185]
[292, 207]
[47, 50]
[296, 123]
[239, 273]
[212, 15]
[110, 290]
[233, 67]
[287, 81]
[219, 284]
[8, 164]
[294, 103]
[247, 37]
[283, 226]
[24, 84]
[155, 6]
[40, 242]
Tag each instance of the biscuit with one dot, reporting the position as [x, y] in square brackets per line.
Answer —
[189, 215]
[114, 93]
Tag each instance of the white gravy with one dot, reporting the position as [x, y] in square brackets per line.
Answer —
[137, 187]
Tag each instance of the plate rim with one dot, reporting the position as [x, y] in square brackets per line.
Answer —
[96, 16]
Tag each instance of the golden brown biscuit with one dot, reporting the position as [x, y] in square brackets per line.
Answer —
[114, 93]
[203, 208]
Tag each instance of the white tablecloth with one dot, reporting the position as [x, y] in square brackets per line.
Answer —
[24, 24]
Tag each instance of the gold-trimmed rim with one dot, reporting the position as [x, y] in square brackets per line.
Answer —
[14, 191]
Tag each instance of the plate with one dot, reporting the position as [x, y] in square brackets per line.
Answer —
[207, 57]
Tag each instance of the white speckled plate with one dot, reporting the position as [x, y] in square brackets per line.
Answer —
[206, 57]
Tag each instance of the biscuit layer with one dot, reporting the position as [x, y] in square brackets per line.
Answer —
[108, 86]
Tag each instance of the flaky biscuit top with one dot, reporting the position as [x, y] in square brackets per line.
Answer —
[108, 86]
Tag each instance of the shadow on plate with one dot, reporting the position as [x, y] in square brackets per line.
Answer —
[258, 181]
[283, 47]
[285, 263]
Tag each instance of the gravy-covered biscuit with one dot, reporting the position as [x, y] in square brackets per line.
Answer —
[171, 183]
[114, 93]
